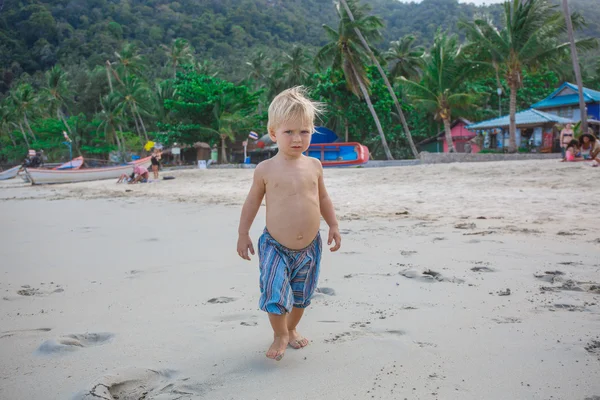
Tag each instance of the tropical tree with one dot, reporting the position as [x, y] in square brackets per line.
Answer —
[135, 97]
[112, 117]
[179, 53]
[258, 69]
[576, 69]
[439, 92]
[24, 103]
[129, 61]
[56, 94]
[404, 59]
[6, 123]
[370, 24]
[344, 52]
[528, 39]
[295, 67]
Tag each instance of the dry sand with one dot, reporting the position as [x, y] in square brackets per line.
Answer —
[136, 292]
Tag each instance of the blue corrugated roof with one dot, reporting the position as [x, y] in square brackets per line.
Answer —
[589, 96]
[527, 117]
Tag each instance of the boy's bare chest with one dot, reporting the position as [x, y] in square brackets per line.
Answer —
[292, 183]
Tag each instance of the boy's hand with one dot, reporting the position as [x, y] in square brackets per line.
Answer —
[243, 245]
[334, 235]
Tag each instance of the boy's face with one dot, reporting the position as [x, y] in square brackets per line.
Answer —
[292, 137]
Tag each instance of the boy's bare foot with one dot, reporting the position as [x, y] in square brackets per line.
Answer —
[278, 347]
[297, 341]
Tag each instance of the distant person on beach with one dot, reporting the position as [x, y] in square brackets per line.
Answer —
[573, 152]
[176, 152]
[289, 250]
[126, 178]
[566, 136]
[141, 174]
[155, 160]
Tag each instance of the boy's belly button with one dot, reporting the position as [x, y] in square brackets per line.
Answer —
[299, 237]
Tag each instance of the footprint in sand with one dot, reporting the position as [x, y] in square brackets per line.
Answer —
[23, 331]
[550, 276]
[73, 342]
[482, 269]
[27, 291]
[326, 291]
[593, 347]
[428, 276]
[142, 383]
[221, 300]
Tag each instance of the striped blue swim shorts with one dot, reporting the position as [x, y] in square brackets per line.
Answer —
[288, 278]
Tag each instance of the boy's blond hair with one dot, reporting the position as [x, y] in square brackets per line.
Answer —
[293, 104]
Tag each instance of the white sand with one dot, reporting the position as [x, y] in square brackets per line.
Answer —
[128, 272]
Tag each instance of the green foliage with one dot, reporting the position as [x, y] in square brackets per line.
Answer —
[207, 107]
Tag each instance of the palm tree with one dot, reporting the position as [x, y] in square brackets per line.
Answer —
[135, 96]
[444, 71]
[576, 69]
[345, 53]
[111, 117]
[129, 61]
[258, 70]
[404, 59]
[528, 39]
[24, 102]
[294, 67]
[179, 53]
[165, 90]
[371, 24]
[56, 94]
[6, 122]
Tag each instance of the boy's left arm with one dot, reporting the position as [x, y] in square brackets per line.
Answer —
[328, 213]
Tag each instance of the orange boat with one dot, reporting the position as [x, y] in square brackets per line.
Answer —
[343, 154]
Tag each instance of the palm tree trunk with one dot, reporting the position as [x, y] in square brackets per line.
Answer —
[387, 82]
[24, 135]
[346, 129]
[137, 126]
[575, 59]
[108, 76]
[448, 133]
[116, 136]
[29, 127]
[12, 139]
[142, 123]
[363, 89]
[512, 128]
[223, 151]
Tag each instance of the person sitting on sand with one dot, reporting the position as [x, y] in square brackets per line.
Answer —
[590, 148]
[572, 152]
[126, 178]
[141, 174]
[289, 249]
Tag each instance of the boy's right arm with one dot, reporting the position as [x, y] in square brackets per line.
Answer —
[249, 211]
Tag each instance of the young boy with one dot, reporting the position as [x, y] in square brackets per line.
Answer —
[289, 249]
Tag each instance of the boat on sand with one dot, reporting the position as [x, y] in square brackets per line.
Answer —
[39, 176]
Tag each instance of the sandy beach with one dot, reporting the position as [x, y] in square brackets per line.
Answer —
[454, 281]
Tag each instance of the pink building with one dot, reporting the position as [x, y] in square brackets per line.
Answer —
[460, 137]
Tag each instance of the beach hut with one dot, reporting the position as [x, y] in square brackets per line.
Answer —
[535, 130]
[564, 102]
[460, 137]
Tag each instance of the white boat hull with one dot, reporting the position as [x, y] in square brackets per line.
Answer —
[9, 173]
[44, 176]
